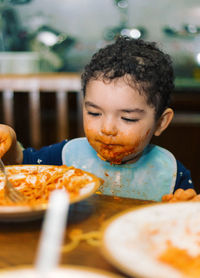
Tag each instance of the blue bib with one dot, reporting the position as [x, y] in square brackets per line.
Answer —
[152, 176]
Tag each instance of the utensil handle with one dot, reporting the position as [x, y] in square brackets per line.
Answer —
[52, 232]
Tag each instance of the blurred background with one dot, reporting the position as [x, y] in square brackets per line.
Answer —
[44, 45]
[61, 35]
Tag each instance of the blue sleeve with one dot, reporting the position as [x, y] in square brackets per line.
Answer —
[49, 155]
[183, 179]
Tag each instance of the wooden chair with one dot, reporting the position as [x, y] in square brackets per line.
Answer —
[33, 85]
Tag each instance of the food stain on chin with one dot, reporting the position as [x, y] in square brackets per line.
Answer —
[114, 157]
[114, 153]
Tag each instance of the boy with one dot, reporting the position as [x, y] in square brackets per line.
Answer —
[126, 87]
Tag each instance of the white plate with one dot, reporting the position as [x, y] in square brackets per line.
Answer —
[132, 241]
[27, 213]
[62, 272]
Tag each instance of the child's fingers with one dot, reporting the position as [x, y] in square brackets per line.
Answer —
[173, 200]
[184, 195]
[196, 198]
[6, 139]
[179, 193]
[167, 197]
[188, 194]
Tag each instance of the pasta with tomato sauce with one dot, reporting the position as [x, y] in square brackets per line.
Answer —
[36, 182]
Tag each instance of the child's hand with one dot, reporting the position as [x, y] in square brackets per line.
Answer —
[10, 150]
[7, 136]
[181, 195]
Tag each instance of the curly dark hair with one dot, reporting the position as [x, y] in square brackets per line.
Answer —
[149, 69]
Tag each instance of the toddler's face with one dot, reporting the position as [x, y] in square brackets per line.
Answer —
[118, 122]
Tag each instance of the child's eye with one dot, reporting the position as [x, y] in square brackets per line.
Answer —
[130, 120]
[93, 114]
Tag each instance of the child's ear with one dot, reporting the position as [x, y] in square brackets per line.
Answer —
[164, 121]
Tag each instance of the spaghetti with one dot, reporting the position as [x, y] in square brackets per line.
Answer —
[37, 181]
[76, 236]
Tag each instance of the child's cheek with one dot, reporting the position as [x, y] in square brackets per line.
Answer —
[90, 133]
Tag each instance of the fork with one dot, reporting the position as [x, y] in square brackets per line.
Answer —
[9, 191]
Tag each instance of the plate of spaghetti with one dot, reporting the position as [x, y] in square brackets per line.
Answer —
[36, 182]
[156, 241]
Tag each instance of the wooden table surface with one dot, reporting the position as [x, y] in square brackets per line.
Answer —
[19, 241]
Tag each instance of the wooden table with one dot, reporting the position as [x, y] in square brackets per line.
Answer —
[19, 241]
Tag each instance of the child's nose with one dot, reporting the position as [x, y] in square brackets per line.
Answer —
[109, 127]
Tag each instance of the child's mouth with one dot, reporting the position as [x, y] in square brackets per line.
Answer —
[111, 152]
[109, 144]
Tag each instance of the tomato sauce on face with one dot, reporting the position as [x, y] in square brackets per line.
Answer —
[115, 153]
[114, 150]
